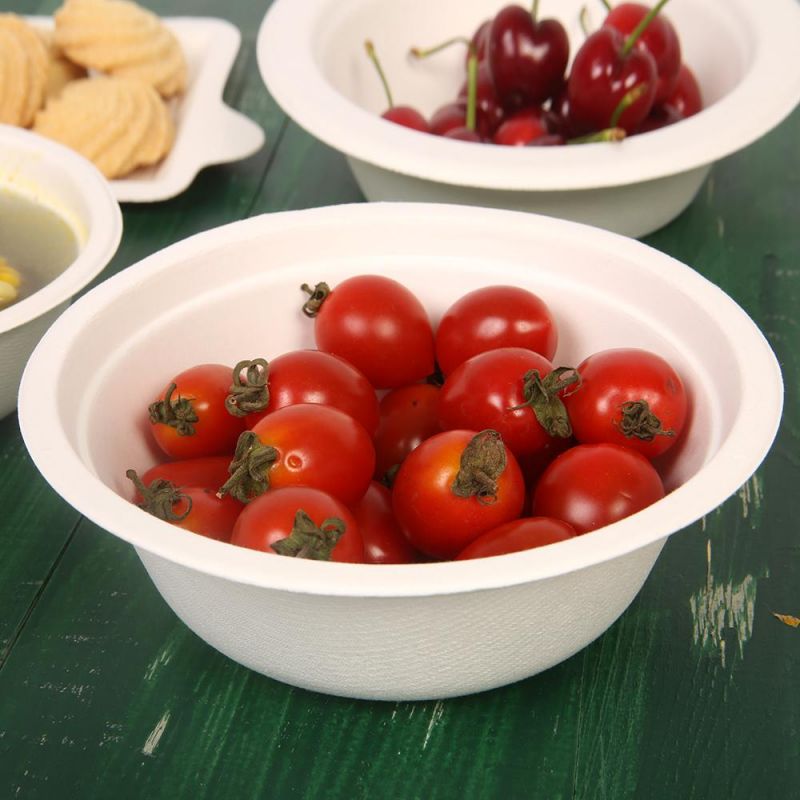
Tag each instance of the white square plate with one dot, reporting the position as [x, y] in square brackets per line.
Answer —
[206, 130]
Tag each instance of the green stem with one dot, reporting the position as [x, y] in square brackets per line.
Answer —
[316, 297]
[472, 88]
[606, 135]
[418, 52]
[535, 10]
[642, 27]
[583, 18]
[249, 469]
[543, 396]
[370, 48]
[607, 4]
[307, 540]
[178, 414]
[248, 394]
[160, 498]
[628, 99]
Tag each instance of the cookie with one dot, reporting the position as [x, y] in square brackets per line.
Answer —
[23, 71]
[61, 70]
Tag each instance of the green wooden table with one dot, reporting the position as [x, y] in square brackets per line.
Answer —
[693, 693]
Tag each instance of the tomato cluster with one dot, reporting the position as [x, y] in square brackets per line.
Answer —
[627, 77]
[395, 442]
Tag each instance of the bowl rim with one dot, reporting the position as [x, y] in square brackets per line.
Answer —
[102, 236]
[768, 92]
[738, 457]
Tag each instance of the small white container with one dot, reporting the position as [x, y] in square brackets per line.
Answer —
[59, 179]
[408, 631]
[311, 57]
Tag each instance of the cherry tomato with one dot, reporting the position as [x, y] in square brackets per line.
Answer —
[519, 534]
[377, 325]
[193, 508]
[189, 418]
[306, 444]
[311, 376]
[455, 486]
[208, 472]
[493, 389]
[628, 397]
[302, 522]
[384, 542]
[492, 317]
[408, 416]
[592, 485]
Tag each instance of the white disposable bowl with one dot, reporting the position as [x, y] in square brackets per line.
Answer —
[58, 178]
[311, 57]
[410, 631]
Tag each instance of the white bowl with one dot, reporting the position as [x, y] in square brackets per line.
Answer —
[59, 179]
[409, 631]
[311, 57]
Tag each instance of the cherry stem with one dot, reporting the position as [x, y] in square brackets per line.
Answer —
[418, 52]
[472, 88]
[642, 27]
[628, 99]
[370, 48]
[607, 4]
[535, 10]
[583, 18]
[606, 135]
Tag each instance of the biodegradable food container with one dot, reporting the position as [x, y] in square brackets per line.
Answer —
[311, 57]
[407, 631]
[48, 174]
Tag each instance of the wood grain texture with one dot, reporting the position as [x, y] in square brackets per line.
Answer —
[691, 694]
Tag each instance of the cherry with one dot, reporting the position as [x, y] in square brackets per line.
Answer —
[406, 116]
[522, 128]
[548, 140]
[606, 69]
[480, 40]
[447, 117]
[685, 98]
[464, 134]
[527, 57]
[659, 38]
[659, 117]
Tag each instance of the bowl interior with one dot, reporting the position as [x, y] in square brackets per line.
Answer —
[337, 42]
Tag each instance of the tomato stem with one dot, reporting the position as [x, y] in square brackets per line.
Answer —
[640, 422]
[249, 393]
[160, 498]
[178, 414]
[482, 463]
[542, 396]
[307, 540]
[316, 298]
[249, 469]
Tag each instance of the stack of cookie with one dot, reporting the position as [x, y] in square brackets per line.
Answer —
[98, 84]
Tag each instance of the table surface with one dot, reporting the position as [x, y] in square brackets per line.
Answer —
[692, 693]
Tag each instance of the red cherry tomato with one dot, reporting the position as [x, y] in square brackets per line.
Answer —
[193, 508]
[309, 445]
[496, 316]
[377, 325]
[311, 376]
[384, 542]
[520, 534]
[191, 420]
[628, 397]
[209, 472]
[270, 524]
[408, 416]
[442, 502]
[489, 391]
[592, 485]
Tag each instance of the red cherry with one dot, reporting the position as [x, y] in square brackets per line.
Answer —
[607, 68]
[452, 115]
[401, 115]
[464, 134]
[686, 98]
[407, 117]
[528, 57]
[480, 40]
[489, 111]
[522, 128]
[659, 38]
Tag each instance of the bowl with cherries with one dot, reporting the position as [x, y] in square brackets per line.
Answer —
[607, 113]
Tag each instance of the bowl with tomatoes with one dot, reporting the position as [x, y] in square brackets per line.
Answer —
[706, 79]
[377, 458]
